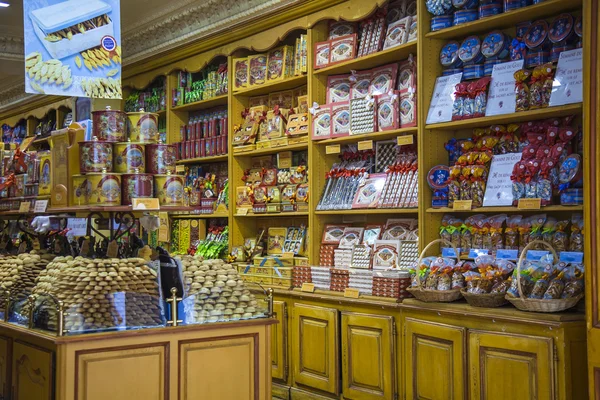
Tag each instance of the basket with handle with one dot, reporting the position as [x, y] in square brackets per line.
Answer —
[488, 300]
[539, 305]
[429, 295]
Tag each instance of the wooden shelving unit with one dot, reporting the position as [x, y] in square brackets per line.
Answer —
[203, 104]
[375, 136]
[204, 160]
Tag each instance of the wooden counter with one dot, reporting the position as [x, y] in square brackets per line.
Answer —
[210, 361]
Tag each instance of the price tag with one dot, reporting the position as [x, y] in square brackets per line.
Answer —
[40, 206]
[462, 205]
[530, 204]
[405, 140]
[77, 226]
[180, 168]
[332, 149]
[365, 145]
[449, 252]
[474, 253]
[242, 211]
[440, 109]
[573, 257]
[352, 293]
[24, 207]
[308, 287]
[567, 87]
[536, 255]
[499, 192]
[501, 96]
[507, 254]
[145, 204]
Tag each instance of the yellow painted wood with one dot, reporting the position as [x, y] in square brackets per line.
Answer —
[32, 372]
[368, 356]
[279, 343]
[315, 348]
[435, 361]
[504, 365]
[5, 367]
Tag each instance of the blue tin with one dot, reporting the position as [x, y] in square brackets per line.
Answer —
[488, 66]
[441, 22]
[473, 71]
[464, 16]
[510, 5]
[571, 197]
[451, 71]
[522, 28]
[561, 29]
[536, 34]
[537, 1]
[465, 4]
[449, 55]
[536, 57]
[496, 45]
[558, 48]
[491, 9]
[469, 51]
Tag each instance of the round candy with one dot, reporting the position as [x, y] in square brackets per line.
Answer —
[438, 7]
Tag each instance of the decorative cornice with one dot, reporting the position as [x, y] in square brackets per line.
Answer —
[13, 95]
[11, 47]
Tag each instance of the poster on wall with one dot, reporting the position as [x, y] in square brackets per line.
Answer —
[73, 48]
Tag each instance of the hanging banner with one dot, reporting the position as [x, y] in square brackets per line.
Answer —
[73, 48]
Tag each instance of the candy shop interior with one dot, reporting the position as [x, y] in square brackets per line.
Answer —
[338, 194]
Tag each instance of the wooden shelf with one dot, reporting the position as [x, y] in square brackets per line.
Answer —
[383, 57]
[523, 116]
[199, 216]
[509, 19]
[161, 113]
[270, 87]
[270, 215]
[203, 104]
[369, 136]
[204, 160]
[368, 211]
[506, 209]
[272, 150]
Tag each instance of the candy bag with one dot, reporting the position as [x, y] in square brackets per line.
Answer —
[466, 236]
[525, 279]
[522, 90]
[454, 185]
[445, 279]
[518, 185]
[432, 279]
[458, 279]
[524, 231]
[539, 288]
[471, 280]
[544, 184]
[465, 184]
[478, 231]
[531, 187]
[501, 286]
[538, 86]
[459, 101]
[469, 101]
[560, 238]
[478, 182]
[555, 288]
[496, 238]
[444, 229]
[537, 223]
[511, 233]
[549, 229]
[455, 231]
[481, 91]
[576, 241]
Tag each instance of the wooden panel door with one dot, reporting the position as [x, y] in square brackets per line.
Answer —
[32, 372]
[435, 361]
[508, 366]
[368, 356]
[5, 367]
[315, 347]
[279, 332]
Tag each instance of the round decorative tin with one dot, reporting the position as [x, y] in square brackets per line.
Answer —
[495, 45]
[136, 186]
[95, 156]
[521, 28]
[129, 157]
[561, 28]
[449, 55]
[82, 190]
[109, 125]
[143, 126]
[411, 8]
[570, 169]
[105, 189]
[160, 158]
[451, 71]
[469, 51]
[578, 26]
[169, 189]
[464, 16]
[536, 34]
[438, 177]
[441, 22]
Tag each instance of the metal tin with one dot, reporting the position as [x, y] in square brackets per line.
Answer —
[469, 51]
[488, 66]
[110, 125]
[136, 186]
[536, 57]
[441, 22]
[106, 189]
[160, 158]
[490, 9]
[536, 34]
[473, 71]
[578, 26]
[496, 45]
[82, 190]
[521, 28]
[465, 4]
[129, 157]
[95, 156]
[143, 126]
[451, 71]
[559, 48]
[464, 16]
[169, 189]
[45, 185]
[449, 55]
[571, 197]
[561, 28]
[510, 5]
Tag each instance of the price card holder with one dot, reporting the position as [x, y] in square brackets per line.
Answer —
[179, 168]
[40, 206]
[474, 253]
[405, 140]
[536, 255]
[365, 145]
[351, 293]
[462, 205]
[507, 254]
[145, 204]
[24, 207]
[242, 211]
[530, 204]
[308, 287]
[333, 149]
[449, 252]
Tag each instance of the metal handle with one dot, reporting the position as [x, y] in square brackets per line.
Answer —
[173, 300]
[6, 305]
[31, 300]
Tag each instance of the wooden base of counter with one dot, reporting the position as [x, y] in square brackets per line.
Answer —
[213, 361]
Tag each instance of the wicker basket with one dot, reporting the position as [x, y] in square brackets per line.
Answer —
[540, 305]
[434, 296]
[488, 300]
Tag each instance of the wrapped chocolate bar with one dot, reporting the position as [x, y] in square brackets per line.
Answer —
[576, 240]
[522, 91]
[540, 86]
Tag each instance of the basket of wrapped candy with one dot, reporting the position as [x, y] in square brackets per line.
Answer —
[543, 286]
[432, 278]
[487, 280]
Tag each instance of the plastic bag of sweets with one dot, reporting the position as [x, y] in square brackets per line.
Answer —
[455, 231]
[479, 229]
[444, 229]
[478, 181]
[501, 286]
[511, 233]
[469, 101]
[540, 287]
[524, 231]
[432, 279]
[496, 223]
[576, 240]
[544, 184]
[531, 175]
[466, 236]
[458, 278]
[454, 185]
[445, 279]
[537, 223]
[575, 284]
[555, 287]
[465, 183]
[471, 280]
[540, 86]
[526, 280]
[518, 182]
[458, 106]
[508, 142]
[522, 95]
[560, 237]
[549, 229]
[481, 91]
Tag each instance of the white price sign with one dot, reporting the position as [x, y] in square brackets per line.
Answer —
[501, 97]
[440, 109]
[77, 226]
[567, 87]
[498, 191]
[40, 206]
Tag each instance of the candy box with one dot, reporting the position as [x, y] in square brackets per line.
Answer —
[297, 125]
[387, 112]
[364, 116]
[359, 84]
[322, 123]
[302, 104]
[246, 134]
[258, 101]
[413, 29]
[340, 119]
[397, 33]
[407, 76]
[383, 79]
[408, 109]
[341, 28]
[279, 64]
[240, 73]
[257, 69]
[367, 195]
[322, 54]
[343, 48]
[276, 122]
[338, 88]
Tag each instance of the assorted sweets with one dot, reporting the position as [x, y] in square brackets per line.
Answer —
[205, 135]
[198, 238]
[152, 99]
[211, 82]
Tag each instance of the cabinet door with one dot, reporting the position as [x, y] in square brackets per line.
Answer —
[315, 347]
[279, 342]
[368, 356]
[32, 372]
[4, 367]
[507, 366]
[435, 360]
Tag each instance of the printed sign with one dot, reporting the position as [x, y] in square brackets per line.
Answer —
[440, 109]
[73, 48]
[567, 87]
[507, 254]
[77, 226]
[498, 191]
[501, 97]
